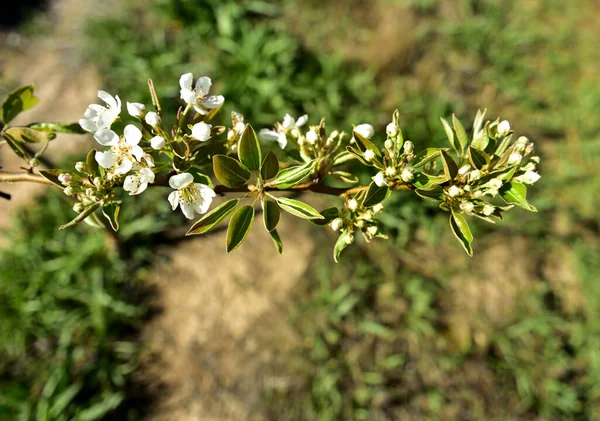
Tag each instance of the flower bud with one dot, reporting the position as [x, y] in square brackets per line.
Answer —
[408, 147]
[503, 128]
[312, 136]
[467, 206]
[529, 177]
[201, 131]
[380, 179]
[152, 119]
[535, 159]
[391, 130]
[135, 109]
[389, 145]
[454, 191]
[369, 155]
[378, 208]
[80, 166]
[360, 223]
[336, 224]
[97, 181]
[65, 179]
[89, 192]
[349, 239]
[495, 183]
[407, 175]
[514, 158]
[390, 171]
[464, 169]
[157, 142]
[488, 210]
[365, 130]
[68, 191]
[352, 204]
[529, 149]
[372, 230]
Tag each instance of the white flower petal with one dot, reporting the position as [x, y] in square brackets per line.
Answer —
[200, 110]
[106, 137]
[302, 120]
[137, 152]
[157, 142]
[201, 131]
[152, 118]
[135, 109]
[187, 208]
[90, 112]
[288, 122]
[203, 85]
[185, 81]
[282, 140]
[88, 125]
[214, 101]
[188, 96]
[146, 175]
[131, 183]
[205, 191]
[268, 134]
[365, 130]
[124, 166]
[105, 159]
[179, 181]
[132, 134]
[108, 98]
[174, 199]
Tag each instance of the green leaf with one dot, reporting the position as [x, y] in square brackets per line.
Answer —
[16, 147]
[449, 133]
[375, 195]
[435, 195]
[293, 176]
[63, 399]
[277, 241]
[516, 194]
[73, 128]
[461, 134]
[478, 158]
[213, 218]
[461, 230]
[363, 144]
[269, 167]
[328, 214]
[79, 218]
[271, 214]
[249, 149]
[450, 166]
[345, 177]
[299, 209]
[27, 135]
[426, 156]
[239, 227]
[19, 100]
[342, 242]
[230, 172]
[91, 163]
[111, 212]
[424, 181]
[342, 158]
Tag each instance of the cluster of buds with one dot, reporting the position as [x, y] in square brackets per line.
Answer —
[354, 217]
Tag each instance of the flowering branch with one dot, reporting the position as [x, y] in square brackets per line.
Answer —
[138, 150]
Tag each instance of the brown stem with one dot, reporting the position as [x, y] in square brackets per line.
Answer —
[9, 177]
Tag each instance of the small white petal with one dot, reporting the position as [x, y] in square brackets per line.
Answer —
[380, 179]
[288, 122]
[203, 85]
[124, 167]
[135, 109]
[157, 142]
[188, 209]
[88, 125]
[312, 136]
[214, 101]
[131, 183]
[108, 98]
[268, 134]
[185, 81]
[174, 199]
[90, 112]
[503, 127]
[302, 120]
[146, 175]
[188, 96]
[200, 110]
[105, 159]
[179, 181]
[282, 140]
[132, 134]
[137, 152]
[106, 137]
[205, 191]
[152, 118]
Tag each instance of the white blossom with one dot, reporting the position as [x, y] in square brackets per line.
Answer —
[192, 197]
[390, 171]
[65, 179]
[157, 142]
[80, 166]
[514, 158]
[198, 96]
[352, 204]
[152, 119]
[137, 182]
[124, 151]
[372, 230]
[454, 191]
[312, 136]
[380, 179]
[495, 183]
[336, 224]
[135, 109]
[406, 175]
[369, 155]
[488, 210]
[529, 177]
[467, 206]
[378, 208]
[503, 128]
[464, 169]
[98, 117]
[201, 131]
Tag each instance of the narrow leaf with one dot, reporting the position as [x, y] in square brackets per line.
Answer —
[424, 181]
[449, 133]
[461, 134]
[269, 167]
[277, 241]
[435, 195]
[249, 149]
[363, 144]
[27, 135]
[293, 176]
[271, 214]
[345, 177]
[426, 156]
[111, 212]
[213, 218]
[72, 128]
[450, 166]
[328, 214]
[16, 147]
[342, 242]
[229, 171]
[375, 195]
[79, 218]
[478, 158]
[461, 230]
[91, 163]
[239, 227]
[299, 209]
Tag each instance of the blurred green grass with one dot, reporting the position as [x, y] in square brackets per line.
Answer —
[410, 329]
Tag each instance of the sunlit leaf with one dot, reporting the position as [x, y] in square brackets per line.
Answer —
[239, 227]
[229, 171]
[298, 208]
[213, 218]
[249, 149]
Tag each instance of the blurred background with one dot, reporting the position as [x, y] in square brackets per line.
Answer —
[145, 325]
